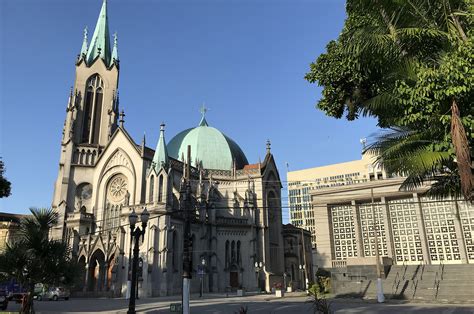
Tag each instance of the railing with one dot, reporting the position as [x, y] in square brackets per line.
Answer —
[86, 155]
[396, 283]
[414, 286]
[339, 264]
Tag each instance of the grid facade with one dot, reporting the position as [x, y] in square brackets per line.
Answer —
[343, 232]
[405, 231]
[466, 215]
[372, 221]
[443, 244]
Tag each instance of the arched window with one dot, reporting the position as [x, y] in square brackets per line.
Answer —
[151, 189]
[92, 110]
[160, 189]
[232, 258]
[227, 254]
[238, 252]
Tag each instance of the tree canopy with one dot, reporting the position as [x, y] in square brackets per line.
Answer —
[33, 258]
[5, 185]
[407, 63]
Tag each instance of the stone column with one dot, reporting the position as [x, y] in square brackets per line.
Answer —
[459, 232]
[86, 277]
[421, 227]
[357, 229]
[388, 228]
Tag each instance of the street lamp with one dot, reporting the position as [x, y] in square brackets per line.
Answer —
[136, 233]
[303, 271]
[201, 275]
[258, 268]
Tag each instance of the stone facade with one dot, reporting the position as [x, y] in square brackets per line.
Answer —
[104, 176]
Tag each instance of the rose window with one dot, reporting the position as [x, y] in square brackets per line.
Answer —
[118, 188]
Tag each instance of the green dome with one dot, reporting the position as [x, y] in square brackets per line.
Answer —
[208, 146]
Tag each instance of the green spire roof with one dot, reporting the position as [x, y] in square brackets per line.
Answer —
[161, 153]
[100, 39]
[84, 44]
[114, 50]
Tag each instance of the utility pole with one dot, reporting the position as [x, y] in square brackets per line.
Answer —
[305, 269]
[380, 296]
[186, 205]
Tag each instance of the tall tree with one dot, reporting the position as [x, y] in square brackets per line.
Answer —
[34, 258]
[409, 64]
[5, 185]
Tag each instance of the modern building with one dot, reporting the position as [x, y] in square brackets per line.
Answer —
[104, 175]
[357, 210]
[301, 183]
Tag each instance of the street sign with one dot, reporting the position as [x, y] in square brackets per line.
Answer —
[176, 307]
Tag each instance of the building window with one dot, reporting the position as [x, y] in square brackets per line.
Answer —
[92, 110]
[152, 188]
[160, 189]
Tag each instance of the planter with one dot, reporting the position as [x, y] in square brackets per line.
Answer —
[279, 293]
[241, 292]
[289, 289]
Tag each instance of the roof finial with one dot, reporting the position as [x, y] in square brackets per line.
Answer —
[84, 44]
[203, 111]
[122, 116]
[162, 127]
[269, 144]
[115, 57]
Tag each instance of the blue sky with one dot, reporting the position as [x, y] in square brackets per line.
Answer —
[246, 59]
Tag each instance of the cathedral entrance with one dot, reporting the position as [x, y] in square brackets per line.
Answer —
[234, 279]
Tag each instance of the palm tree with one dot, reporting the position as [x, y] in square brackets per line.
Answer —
[425, 47]
[34, 258]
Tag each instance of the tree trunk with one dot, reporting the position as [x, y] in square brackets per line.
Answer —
[27, 304]
[461, 148]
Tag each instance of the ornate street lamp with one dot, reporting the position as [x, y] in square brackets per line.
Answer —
[201, 275]
[136, 233]
[303, 279]
[258, 268]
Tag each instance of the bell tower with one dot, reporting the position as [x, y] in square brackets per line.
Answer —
[91, 116]
[96, 84]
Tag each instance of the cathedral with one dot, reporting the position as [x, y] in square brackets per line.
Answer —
[104, 175]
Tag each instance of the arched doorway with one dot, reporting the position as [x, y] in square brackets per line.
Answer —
[234, 277]
[82, 273]
[96, 271]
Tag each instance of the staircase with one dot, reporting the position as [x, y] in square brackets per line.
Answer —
[433, 283]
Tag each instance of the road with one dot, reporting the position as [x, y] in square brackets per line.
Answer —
[220, 304]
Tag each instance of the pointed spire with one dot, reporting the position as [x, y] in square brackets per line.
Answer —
[100, 41]
[203, 111]
[143, 144]
[84, 44]
[115, 57]
[122, 118]
[160, 159]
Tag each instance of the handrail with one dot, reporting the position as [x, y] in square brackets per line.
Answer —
[414, 286]
[422, 270]
[397, 276]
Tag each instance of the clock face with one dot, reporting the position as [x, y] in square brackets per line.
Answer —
[117, 188]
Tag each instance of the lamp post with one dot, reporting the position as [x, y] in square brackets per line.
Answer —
[136, 233]
[284, 281]
[258, 268]
[201, 275]
[303, 272]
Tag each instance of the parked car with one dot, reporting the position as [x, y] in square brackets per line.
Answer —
[3, 299]
[54, 293]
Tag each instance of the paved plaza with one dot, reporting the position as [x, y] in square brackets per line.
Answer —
[221, 304]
